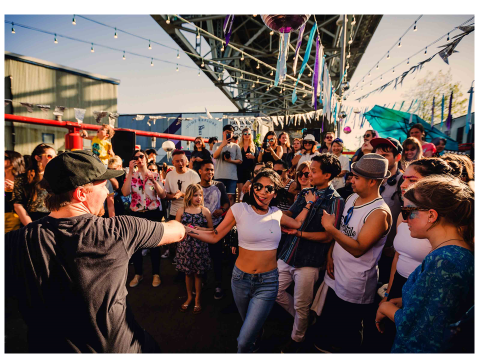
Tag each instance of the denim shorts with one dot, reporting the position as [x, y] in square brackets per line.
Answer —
[230, 185]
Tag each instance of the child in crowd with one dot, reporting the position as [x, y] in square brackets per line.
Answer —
[101, 145]
[193, 257]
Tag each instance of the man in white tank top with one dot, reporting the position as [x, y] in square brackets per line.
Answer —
[352, 279]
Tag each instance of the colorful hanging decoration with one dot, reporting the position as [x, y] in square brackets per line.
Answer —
[433, 112]
[297, 49]
[443, 109]
[347, 130]
[168, 146]
[44, 108]
[141, 117]
[315, 73]
[99, 115]
[227, 28]
[469, 113]
[59, 110]
[29, 106]
[79, 115]
[111, 118]
[449, 117]
[305, 60]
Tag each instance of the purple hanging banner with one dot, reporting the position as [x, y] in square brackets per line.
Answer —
[449, 117]
[297, 49]
[316, 70]
[228, 19]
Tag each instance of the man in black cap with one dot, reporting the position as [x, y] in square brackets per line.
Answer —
[69, 269]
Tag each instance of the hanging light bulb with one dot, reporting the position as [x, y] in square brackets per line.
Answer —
[168, 19]
[253, 85]
[258, 80]
[255, 15]
[350, 41]
[203, 64]
[236, 83]
[400, 42]
[363, 80]
[381, 77]
[198, 72]
[388, 55]
[241, 76]
[304, 95]
[408, 61]
[55, 40]
[149, 45]
[353, 21]
[178, 54]
[370, 83]
[219, 77]
[124, 55]
[281, 90]
[368, 74]
[198, 34]
[92, 50]
[258, 65]
[223, 48]
[415, 26]
[242, 58]
[115, 36]
[393, 70]
[348, 56]
[271, 33]
[73, 20]
[448, 37]
[310, 74]
[271, 73]
[377, 65]
[13, 29]
[151, 64]
[425, 53]
[177, 68]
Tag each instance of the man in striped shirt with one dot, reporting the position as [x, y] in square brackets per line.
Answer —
[304, 251]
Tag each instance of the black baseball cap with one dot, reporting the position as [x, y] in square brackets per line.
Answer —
[72, 169]
[387, 141]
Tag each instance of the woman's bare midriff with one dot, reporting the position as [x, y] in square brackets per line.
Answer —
[256, 262]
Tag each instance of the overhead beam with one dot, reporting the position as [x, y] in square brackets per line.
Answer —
[198, 19]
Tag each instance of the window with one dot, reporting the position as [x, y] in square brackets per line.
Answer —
[48, 138]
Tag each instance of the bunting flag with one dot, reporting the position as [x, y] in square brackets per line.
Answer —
[449, 117]
[395, 103]
[227, 28]
[8, 102]
[155, 118]
[29, 106]
[315, 74]
[348, 118]
[141, 117]
[59, 110]
[443, 109]
[433, 112]
[79, 115]
[469, 113]
[411, 104]
[304, 64]
[335, 116]
[401, 106]
[321, 79]
[208, 114]
[297, 49]
[111, 119]
[99, 115]
[411, 118]
[44, 108]
[282, 58]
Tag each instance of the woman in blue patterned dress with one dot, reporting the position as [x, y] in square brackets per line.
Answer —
[193, 257]
[440, 291]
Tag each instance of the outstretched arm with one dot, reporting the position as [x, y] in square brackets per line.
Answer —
[212, 237]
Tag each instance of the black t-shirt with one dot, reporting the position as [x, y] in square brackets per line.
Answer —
[204, 154]
[69, 276]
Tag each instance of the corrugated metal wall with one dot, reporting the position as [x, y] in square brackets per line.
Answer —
[40, 85]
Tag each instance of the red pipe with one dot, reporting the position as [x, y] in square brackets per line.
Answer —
[73, 126]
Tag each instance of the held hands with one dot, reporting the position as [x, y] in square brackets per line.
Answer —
[328, 221]
[217, 213]
[289, 231]
[178, 194]
[250, 156]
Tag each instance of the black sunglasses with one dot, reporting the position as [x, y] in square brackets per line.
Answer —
[407, 210]
[367, 135]
[308, 142]
[271, 140]
[306, 174]
[268, 188]
[138, 157]
[198, 142]
[329, 137]
[246, 133]
[280, 172]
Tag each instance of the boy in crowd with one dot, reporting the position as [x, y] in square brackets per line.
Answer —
[101, 145]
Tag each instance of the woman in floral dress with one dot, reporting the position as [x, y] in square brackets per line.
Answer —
[193, 257]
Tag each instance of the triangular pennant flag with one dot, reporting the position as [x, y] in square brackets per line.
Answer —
[8, 102]
[44, 108]
[59, 110]
[29, 106]
[99, 115]
[141, 117]
[79, 115]
[111, 118]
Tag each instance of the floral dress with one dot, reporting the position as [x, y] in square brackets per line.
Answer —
[144, 196]
[193, 256]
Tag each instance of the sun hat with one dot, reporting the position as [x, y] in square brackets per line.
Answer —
[309, 137]
[371, 166]
[76, 168]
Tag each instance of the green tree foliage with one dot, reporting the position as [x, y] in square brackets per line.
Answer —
[436, 85]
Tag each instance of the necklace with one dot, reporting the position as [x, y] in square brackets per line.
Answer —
[444, 243]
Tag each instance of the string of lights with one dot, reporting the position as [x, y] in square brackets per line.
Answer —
[93, 44]
[423, 48]
[387, 54]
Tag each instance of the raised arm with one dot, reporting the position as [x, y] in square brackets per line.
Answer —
[212, 237]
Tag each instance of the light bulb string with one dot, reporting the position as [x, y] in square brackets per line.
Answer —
[418, 52]
[394, 44]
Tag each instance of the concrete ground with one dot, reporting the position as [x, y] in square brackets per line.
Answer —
[157, 310]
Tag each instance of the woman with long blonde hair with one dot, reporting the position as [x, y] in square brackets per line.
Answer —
[193, 257]
[249, 158]
[412, 150]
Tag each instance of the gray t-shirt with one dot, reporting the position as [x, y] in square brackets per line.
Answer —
[226, 170]
[391, 195]
[69, 276]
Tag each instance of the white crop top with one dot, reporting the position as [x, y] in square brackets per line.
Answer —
[411, 251]
[255, 231]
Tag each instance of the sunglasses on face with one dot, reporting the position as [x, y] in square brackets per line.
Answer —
[329, 138]
[309, 142]
[407, 210]
[271, 140]
[268, 188]
[366, 136]
[280, 172]
[198, 142]
[306, 174]
[152, 169]
[246, 133]
[138, 157]
[49, 157]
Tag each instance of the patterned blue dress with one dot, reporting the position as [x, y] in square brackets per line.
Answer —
[435, 295]
[193, 256]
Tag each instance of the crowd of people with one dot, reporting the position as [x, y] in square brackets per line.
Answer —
[379, 249]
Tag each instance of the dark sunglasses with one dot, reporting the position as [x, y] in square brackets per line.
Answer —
[347, 218]
[367, 135]
[280, 172]
[246, 133]
[152, 169]
[198, 142]
[329, 137]
[306, 174]
[407, 210]
[271, 140]
[138, 157]
[308, 142]
[268, 188]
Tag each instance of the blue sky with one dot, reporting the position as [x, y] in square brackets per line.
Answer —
[147, 89]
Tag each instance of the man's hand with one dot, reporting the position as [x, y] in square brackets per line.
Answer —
[289, 230]
[330, 267]
[218, 213]
[328, 221]
[178, 194]
[310, 196]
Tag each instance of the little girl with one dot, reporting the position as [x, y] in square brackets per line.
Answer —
[193, 257]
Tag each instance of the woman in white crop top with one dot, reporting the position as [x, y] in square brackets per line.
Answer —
[255, 275]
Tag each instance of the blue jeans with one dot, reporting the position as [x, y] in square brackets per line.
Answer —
[254, 295]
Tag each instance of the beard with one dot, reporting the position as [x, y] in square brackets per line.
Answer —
[101, 212]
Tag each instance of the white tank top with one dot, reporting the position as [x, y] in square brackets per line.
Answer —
[356, 278]
[411, 251]
[255, 231]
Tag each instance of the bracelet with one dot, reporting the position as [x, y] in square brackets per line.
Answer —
[386, 294]
[305, 207]
[310, 202]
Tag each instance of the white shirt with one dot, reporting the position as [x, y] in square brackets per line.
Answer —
[255, 231]
[307, 157]
[356, 278]
[411, 251]
[338, 183]
[175, 181]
